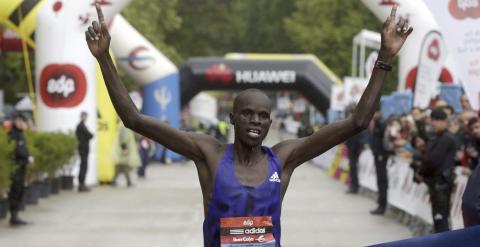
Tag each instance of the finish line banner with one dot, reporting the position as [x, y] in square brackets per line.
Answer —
[468, 237]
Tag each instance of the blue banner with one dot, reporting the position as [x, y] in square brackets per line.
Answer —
[468, 237]
[387, 106]
[403, 102]
[161, 100]
[451, 94]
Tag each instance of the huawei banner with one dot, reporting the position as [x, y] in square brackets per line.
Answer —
[459, 21]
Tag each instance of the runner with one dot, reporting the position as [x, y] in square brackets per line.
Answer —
[243, 183]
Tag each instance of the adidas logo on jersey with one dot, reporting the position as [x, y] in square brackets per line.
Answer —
[275, 178]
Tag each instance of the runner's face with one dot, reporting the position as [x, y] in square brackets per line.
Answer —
[251, 118]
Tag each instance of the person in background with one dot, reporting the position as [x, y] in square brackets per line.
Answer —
[437, 169]
[22, 159]
[125, 154]
[465, 103]
[471, 195]
[223, 130]
[144, 148]
[83, 136]
[380, 157]
[354, 146]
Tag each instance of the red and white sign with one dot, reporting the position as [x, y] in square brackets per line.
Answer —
[432, 57]
[462, 9]
[354, 88]
[338, 98]
[459, 22]
[62, 85]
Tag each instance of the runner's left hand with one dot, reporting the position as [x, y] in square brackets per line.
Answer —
[394, 35]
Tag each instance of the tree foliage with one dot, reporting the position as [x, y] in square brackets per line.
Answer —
[185, 28]
[155, 20]
[13, 78]
[326, 29]
[213, 28]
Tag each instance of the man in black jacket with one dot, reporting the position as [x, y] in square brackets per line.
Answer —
[471, 196]
[437, 169]
[22, 158]
[83, 137]
[381, 158]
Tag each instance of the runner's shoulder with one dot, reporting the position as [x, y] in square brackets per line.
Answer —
[207, 143]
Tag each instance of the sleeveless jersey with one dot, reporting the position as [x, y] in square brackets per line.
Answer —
[240, 215]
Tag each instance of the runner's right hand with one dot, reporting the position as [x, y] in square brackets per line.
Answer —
[98, 38]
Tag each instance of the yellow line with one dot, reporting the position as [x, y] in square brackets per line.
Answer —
[28, 69]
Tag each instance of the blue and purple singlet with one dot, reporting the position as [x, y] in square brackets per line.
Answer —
[239, 215]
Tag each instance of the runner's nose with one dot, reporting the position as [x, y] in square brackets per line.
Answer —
[255, 119]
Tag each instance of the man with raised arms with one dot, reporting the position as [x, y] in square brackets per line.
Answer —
[243, 184]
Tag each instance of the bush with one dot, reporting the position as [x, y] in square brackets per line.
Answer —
[51, 152]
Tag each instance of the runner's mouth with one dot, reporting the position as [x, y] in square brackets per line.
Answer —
[253, 133]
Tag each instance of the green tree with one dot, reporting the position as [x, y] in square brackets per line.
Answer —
[326, 28]
[154, 20]
[213, 27]
[13, 77]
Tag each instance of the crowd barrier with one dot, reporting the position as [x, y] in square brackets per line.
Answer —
[403, 194]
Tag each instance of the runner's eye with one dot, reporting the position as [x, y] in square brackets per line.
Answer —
[264, 115]
[247, 113]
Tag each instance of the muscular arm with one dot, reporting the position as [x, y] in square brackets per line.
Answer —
[295, 152]
[184, 143]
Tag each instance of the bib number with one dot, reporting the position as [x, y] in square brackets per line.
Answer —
[247, 232]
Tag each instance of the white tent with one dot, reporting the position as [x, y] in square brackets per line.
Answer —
[203, 107]
[24, 104]
[361, 41]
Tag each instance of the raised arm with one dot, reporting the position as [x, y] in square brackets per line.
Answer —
[295, 152]
[98, 40]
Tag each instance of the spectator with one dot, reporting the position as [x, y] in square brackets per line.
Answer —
[83, 137]
[22, 159]
[380, 158]
[354, 146]
[144, 148]
[465, 103]
[437, 169]
[471, 196]
[125, 155]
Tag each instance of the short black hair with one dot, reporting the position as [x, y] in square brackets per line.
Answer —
[438, 114]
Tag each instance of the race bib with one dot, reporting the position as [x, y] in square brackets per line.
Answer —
[247, 232]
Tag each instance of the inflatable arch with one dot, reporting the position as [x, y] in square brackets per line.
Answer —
[423, 60]
[68, 80]
[302, 73]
